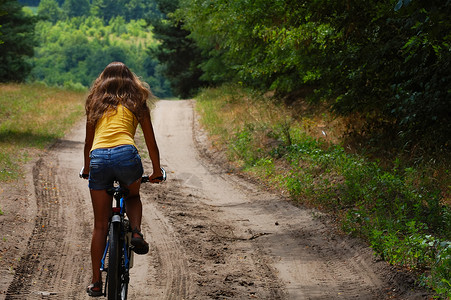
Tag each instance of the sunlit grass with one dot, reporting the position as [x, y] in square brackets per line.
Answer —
[32, 117]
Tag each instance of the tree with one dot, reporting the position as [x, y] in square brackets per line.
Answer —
[178, 55]
[108, 9]
[1, 14]
[135, 9]
[129, 9]
[49, 10]
[17, 32]
[76, 8]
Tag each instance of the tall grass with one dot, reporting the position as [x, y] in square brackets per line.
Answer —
[399, 210]
[32, 117]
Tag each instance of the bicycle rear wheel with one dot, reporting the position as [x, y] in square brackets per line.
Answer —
[124, 291]
[114, 262]
[126, 253]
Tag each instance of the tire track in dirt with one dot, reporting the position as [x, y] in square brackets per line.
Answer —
[164, 270]
[28, 265]
[55, 261]
[217, 264]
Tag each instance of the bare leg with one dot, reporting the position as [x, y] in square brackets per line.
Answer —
[134, 212]
[134, 206]
[101, 203]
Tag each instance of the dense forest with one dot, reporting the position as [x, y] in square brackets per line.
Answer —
[68, 43]
[386, 61]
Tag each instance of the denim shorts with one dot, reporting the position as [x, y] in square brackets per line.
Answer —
[121, 163]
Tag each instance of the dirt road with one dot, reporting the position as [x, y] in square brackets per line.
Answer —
[213, 235]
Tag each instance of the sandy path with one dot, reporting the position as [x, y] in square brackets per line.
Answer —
[213, 235]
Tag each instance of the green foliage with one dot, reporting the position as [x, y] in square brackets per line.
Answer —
[16, 31]
[406, 80]
[178, 55]
[53, 10]
[440, 278]
[75, 51]
[128, 9]
[391, 66]
[49, 10]
[76, 8]
[77, 39]
[400, 211]
[268, 44]
[8, 168]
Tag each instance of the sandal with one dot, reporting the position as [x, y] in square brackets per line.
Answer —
[95, 289]
[140, 246]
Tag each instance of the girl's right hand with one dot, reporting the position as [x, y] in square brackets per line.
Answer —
[83, 174]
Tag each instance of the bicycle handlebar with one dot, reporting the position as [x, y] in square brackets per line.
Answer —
[82, 175]
[145, 178]
[162, 178]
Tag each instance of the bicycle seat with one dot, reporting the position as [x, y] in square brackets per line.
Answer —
[117, 189]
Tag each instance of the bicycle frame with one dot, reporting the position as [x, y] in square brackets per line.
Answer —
[118, 217]
[126, 256]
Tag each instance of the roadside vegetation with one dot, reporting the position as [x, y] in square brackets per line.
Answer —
[32, 117]
[397, 205]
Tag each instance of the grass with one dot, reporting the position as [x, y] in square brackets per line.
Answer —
[32, 117]
[400, 208]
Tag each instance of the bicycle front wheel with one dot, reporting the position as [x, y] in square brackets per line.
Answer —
[114, 262]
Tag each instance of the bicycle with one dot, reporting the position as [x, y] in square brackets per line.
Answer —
[118, 251]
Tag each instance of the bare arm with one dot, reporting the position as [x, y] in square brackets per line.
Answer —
[90, 130]
[151, 144]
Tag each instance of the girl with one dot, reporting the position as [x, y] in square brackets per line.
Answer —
[117, 102]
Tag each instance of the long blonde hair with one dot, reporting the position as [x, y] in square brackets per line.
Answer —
[117, 84]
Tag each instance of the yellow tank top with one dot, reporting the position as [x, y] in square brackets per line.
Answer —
[115, 128]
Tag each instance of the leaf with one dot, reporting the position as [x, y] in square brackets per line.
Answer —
[399, 5]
